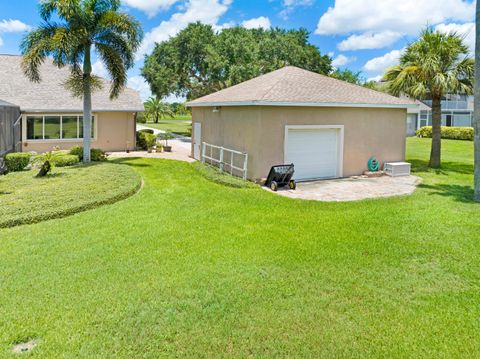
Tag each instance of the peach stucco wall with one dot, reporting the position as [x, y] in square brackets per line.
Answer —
[115, 131]
[260, 131]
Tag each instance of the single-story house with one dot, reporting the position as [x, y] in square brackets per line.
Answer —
[52, 117]
[327, 128]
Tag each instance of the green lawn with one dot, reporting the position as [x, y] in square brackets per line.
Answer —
[25, 198]
[191, 268]
[180, 128]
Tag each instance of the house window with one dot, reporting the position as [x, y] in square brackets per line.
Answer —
[423, 118]
[52, 127]
[81, 126]
[462, 119]
[35, 128]
[70, 127]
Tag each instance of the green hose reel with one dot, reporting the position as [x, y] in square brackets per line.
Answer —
[372, 164]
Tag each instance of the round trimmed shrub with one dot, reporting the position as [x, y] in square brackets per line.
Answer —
[67, 160]
[96, 154]
[17, 161]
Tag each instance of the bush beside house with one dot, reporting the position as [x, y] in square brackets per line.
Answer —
[96, 155]
[17, 161]
[450, 133]
[146, 139]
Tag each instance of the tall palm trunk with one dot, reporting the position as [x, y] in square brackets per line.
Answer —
[87, 105]
[476, 113]
[435, 153]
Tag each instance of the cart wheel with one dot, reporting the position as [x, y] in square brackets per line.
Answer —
[292, 184]
[274, 186]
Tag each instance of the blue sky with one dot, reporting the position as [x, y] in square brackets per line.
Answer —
[363, 35]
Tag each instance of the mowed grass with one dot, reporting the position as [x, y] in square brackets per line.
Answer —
[25, 198]
[191, 268]
[180, 127]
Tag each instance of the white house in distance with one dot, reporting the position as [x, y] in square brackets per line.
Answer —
[457, 111]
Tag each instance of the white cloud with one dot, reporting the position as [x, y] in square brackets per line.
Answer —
[342, 60]
[205, 11]
[256, 23]
[466, 30]
[290, 5]
[369, 40]
[139, 84]
[13, 26]
[378, 65]
[150, 7]
[375, 78]
[406, 16]
[99, 69]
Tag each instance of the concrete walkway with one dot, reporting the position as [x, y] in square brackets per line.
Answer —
[352, 189]
[181, 149]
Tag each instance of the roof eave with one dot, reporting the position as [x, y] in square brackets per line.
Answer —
[27, 110]
[298, 104]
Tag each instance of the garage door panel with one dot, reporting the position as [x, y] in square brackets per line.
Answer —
[314, 152]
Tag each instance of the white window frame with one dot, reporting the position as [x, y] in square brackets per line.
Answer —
[341, 135]
[61, 115]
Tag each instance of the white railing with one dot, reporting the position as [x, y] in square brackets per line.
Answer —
[227, 160]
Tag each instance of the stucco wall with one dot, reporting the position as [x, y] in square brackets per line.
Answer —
[115, 132]
[260, 131]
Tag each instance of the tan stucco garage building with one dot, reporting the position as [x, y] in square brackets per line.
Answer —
[326, 127]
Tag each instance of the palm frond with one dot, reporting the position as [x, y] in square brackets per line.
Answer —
[115, 66]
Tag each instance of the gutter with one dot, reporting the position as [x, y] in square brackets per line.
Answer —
[298, 104]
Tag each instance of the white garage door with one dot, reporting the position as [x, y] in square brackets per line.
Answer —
[314, 152]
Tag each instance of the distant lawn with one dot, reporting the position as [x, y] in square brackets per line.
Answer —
[190, 268]
[25, 198]
[180, 128]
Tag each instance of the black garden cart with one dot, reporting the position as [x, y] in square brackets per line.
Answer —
[281, 176]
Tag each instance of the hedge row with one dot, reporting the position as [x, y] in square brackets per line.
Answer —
[450, 133]
[17, 161]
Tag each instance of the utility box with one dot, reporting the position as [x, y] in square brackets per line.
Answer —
[397, 169]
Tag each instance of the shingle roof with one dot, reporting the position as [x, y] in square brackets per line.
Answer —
[50, 94]
[292, 86]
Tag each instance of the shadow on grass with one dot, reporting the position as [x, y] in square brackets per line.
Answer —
[422, 166]
[130, 161]
[50, 175]
[458, 193]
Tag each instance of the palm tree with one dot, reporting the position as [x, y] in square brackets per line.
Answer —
[433, 66]
[476, 122]
[157, 109]
[70, 31]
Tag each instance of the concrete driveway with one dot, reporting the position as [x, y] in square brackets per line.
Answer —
[352, 189]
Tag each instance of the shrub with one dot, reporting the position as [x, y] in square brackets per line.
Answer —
[17, 161]
[67, 160]
[145, 140]
[146, 130]
[449, 133]
[141, 118]
[96, 154]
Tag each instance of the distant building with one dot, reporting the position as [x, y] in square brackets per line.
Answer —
[457, 111]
